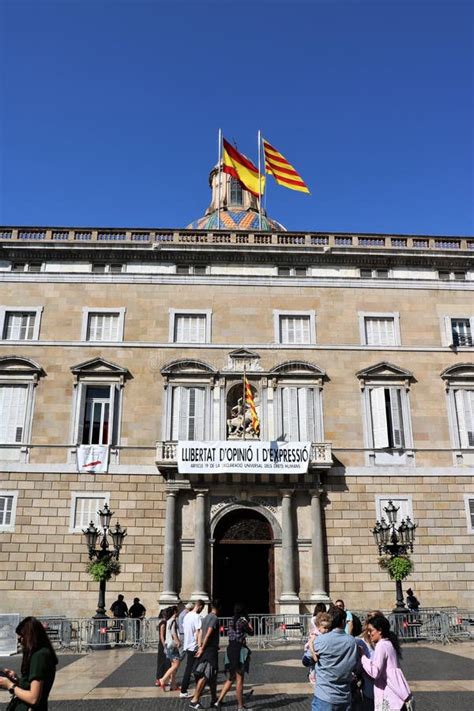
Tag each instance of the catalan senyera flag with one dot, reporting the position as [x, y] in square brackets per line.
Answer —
[251, 405]
[242, 169]
[282, 171]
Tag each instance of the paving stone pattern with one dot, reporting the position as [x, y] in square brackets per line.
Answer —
[268, 667]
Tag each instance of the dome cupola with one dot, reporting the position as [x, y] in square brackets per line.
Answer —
[238, 207]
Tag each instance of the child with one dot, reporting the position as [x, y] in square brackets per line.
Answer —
[322, 625]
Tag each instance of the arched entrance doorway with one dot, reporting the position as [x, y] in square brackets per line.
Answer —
[243, 568]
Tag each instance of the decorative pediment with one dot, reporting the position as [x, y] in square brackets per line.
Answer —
[460, 371]
[12, 365]
[242, 358]
[384, 370]
[188, 367]
[297, 367]
[100, 368]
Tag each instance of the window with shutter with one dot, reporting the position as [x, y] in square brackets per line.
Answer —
[387, 418]
[294, 329]
[103, 327]
[84, 509]
[403, 503]
[297, 421]
[13, 405]
[379, 331]
[464, 400]
[19, 326]
[188, 411]
[190, 328]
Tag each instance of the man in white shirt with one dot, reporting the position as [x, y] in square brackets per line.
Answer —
[191, 627]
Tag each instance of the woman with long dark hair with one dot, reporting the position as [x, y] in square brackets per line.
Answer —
[162, 662]
[172, 651]
[391, 691]
[38, 668]
[237, 659]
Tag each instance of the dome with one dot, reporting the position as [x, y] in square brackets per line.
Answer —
[238, 208]
[234, 219]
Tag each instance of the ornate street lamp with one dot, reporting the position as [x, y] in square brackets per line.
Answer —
[394, 541]
[102, 553]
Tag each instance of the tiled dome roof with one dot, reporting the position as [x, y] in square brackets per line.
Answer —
[236, 219]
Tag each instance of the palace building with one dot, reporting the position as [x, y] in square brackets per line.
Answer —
[130, 346]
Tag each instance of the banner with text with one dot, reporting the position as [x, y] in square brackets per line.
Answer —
[92, 458]
[245, 456]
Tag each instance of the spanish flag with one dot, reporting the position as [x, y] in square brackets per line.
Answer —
[282, 171]
[250, 402]
[242, 169]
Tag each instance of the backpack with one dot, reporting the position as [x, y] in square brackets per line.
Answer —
[356, 625]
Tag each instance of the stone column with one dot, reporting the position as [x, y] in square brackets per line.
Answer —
[169, 594]
[288, 586]
[200, 547]
[318, 580]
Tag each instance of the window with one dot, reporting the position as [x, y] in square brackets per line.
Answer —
[469, 506]
[403, 503]
[188, 407]
[197, 270]
[445, 275]
[297, 414]
[102, 268]
[191, 411]
[459, 381]
[18, 378]
[367, 273]
[8, 501]
[461, 331]
[294, 328]
[13, 406]
[464, 401]
[190, 326]
[387, 425]
[98, 410]
[26, 267]
[378, 329]
[387, 421]
[295, 402]
[20, 324]
[97, 406]
[292, 271]
[235, 193]
[84, 509]
[106, 325]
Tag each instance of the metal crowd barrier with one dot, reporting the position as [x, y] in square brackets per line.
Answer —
[82, 634]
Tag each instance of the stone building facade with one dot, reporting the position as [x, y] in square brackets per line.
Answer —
[136, 340]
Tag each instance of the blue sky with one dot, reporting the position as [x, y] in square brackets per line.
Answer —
[110, 110]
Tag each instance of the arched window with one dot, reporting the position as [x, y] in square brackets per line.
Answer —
[236, 196]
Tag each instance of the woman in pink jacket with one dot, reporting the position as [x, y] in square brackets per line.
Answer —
[391, 691]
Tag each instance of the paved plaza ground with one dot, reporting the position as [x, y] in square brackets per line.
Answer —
[441, 677]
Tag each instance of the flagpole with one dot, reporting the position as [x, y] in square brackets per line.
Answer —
[219, 162]
[243, 403]
[259, 144]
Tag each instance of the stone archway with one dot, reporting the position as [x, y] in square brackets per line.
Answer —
[243, 561]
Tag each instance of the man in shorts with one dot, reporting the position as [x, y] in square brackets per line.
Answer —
[205, 668]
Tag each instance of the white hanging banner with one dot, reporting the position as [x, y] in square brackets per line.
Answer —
[92, 459]
[246, 456]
